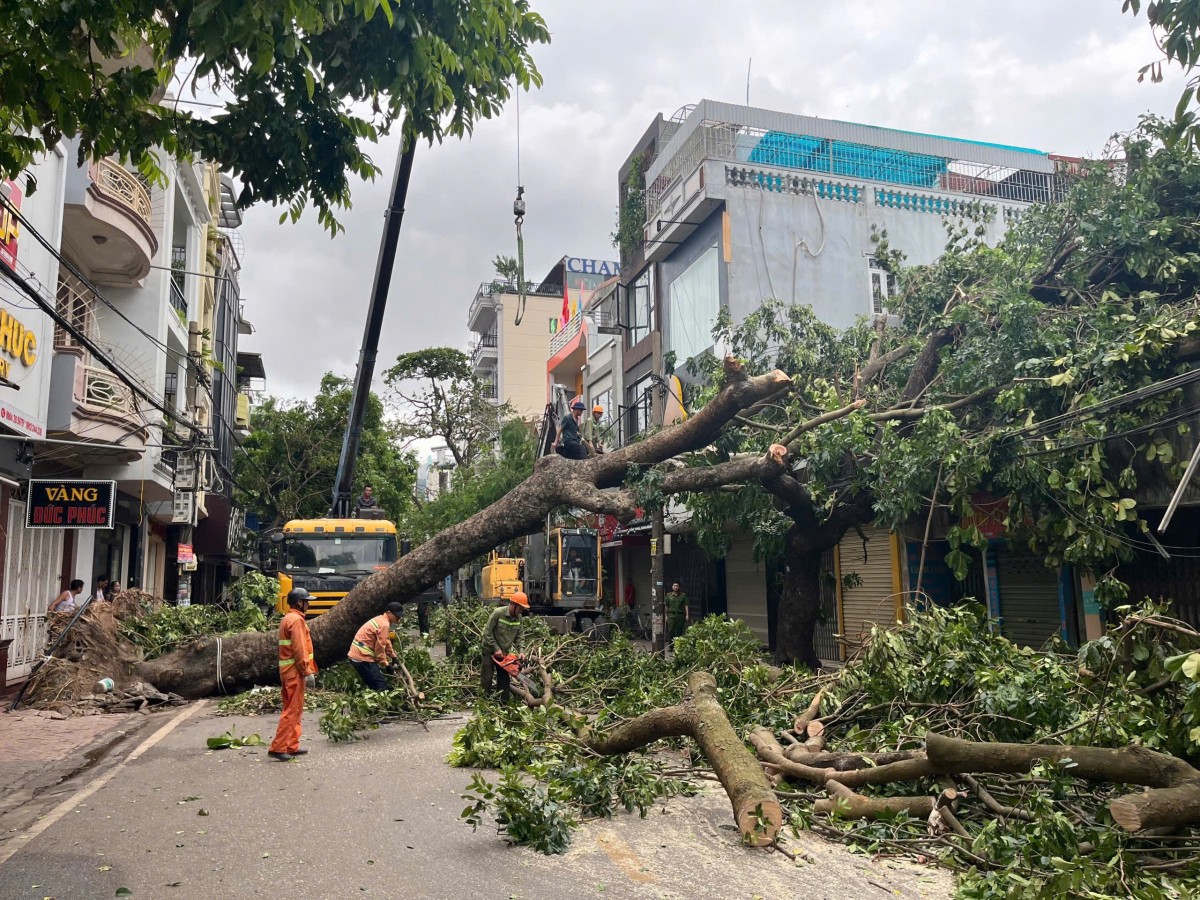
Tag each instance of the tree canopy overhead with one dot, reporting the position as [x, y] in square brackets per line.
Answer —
[289, 461]
[434, 394]
[1038, 370]
[299, 84]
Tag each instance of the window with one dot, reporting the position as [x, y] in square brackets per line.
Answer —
[883, 286]
[695, 298]
[638, 402]
[640, 307]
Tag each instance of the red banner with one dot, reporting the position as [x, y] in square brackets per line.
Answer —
[988, 513]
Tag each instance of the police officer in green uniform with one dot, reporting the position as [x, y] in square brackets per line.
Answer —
[678, 614]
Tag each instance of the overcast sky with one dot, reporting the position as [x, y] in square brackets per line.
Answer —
[1058, 76]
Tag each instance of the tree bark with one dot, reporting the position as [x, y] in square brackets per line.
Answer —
[249, 659]
[1174, 800]
[755, 806]
[799, 603]
[855, 806]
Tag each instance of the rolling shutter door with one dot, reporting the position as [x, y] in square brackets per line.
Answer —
[1029, 614]
[873, 601]
[746, 587]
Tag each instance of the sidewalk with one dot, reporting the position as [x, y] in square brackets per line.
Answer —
[39, 751]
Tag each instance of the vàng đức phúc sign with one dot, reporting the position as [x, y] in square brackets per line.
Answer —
[70, 503]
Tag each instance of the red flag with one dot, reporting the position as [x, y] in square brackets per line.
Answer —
[566, 310]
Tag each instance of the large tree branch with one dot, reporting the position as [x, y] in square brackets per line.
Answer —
[877, 364]
[823, 419]
[927, 362]
[918, 412]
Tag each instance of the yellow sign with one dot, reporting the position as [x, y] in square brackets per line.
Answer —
[17, 341]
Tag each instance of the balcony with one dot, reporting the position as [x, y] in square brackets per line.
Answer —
[568, 351]
[486, 352]
[482, 314]
[489, 391]
[108, 223]
[179, 302]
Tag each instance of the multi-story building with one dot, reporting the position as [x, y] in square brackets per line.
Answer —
[511, 357]
[125, 381]
[724, 206]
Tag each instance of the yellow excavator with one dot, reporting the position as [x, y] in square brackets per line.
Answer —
[559, 571]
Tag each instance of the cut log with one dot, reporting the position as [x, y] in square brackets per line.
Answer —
[850, 805]
[1174, 802]
[800, 726]
[1127, 765]
[1161, 807]
[844, 762]
[701, 717]
[771, 752]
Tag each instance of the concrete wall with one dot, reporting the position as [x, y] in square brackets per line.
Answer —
[523, 351]
[806, 249]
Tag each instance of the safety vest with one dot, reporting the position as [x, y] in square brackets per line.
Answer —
[295, 644]
[368, 639]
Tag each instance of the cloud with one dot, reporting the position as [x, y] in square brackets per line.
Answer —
[1054, 76]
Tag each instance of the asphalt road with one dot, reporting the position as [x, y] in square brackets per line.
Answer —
[381, 818]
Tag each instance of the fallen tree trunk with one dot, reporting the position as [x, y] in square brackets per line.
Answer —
[1174, 800]
[240, 661]
[755, 806]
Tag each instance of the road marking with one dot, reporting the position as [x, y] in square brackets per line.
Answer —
[624, 858]
[21, 840]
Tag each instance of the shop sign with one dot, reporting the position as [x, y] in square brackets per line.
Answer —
[186, 557]
[988, 513]
[10, 227]
[70, 503]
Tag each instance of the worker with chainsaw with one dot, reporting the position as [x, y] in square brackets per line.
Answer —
[502, 642]
[372, 650]
[297, 671]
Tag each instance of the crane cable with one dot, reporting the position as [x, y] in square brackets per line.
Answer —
[519, 219]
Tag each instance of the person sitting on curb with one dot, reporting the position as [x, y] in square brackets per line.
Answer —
[372, 647]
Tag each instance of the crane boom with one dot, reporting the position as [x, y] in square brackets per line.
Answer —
[343, 483]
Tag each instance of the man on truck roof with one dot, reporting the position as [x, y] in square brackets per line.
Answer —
[367, 499]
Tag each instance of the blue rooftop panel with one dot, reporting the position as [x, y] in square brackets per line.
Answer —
[852, 160]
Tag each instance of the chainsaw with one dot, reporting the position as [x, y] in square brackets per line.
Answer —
[511, 663]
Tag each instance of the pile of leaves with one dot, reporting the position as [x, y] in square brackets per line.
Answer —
[944, 671]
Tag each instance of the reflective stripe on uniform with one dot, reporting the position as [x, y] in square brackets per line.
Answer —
[284, 663]
[361, 647]
[285, 642]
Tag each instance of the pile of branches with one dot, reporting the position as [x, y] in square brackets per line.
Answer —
[943, 741]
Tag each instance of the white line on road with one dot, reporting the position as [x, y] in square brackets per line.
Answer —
[22, 840]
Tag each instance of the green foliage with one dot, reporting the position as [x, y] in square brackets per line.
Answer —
[291, 456]
[631, 214]
[255, 589]
[1176, 27]
[434, 394]
[171, 627]
[529, 814]
[231, 740]
[301, 86]
[478, 485]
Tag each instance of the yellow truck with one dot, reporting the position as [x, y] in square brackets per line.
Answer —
[329, 557]
[559, 571]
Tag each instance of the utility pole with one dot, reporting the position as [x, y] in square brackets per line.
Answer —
[658, 597]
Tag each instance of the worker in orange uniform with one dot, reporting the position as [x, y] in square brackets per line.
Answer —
[372, 647]
[297, 671]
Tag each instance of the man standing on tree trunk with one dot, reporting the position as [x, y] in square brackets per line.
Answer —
[297, 671]
[678, 614]
[501, 636]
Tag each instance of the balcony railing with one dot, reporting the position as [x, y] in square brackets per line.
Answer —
[103, 391]
[118, 184]
[486, 295]
[489, 390]
[565, 335]
[178, 301]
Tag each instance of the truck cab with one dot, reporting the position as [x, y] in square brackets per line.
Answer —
[329, 557]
